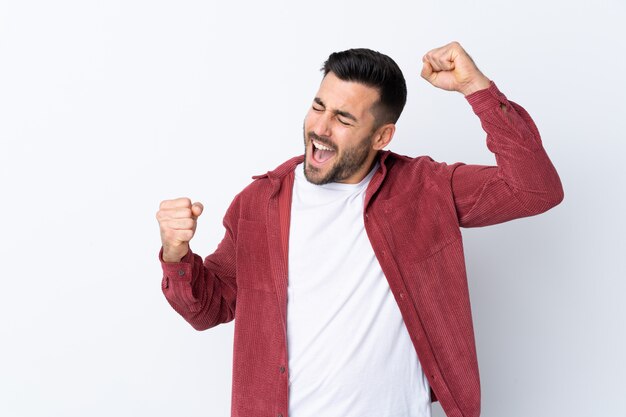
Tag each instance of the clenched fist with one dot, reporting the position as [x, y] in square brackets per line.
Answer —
[452, 69]
[177, 221]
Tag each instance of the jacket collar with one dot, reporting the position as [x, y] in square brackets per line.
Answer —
[278, 175]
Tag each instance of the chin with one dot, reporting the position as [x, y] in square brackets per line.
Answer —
[315, 175]
[312, 174]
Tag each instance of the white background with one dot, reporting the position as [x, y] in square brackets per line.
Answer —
[107, 108]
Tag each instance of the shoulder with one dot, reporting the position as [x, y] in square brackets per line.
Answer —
[254, 198]
[406, 169]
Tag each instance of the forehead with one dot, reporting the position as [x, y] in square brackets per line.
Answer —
[350, 96]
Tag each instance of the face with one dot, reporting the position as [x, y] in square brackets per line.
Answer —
[339, 132]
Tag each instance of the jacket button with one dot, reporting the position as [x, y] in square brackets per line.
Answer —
[181, 272]
[280, 415]
[282, 369]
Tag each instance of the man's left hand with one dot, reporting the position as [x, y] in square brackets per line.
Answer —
[451, 68]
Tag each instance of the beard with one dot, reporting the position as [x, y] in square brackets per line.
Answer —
[347, 161]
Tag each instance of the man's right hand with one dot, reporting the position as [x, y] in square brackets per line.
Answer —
[177, 221]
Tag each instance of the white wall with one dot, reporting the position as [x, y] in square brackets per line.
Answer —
[106, 108]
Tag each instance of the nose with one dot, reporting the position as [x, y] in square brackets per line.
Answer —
[321, 125]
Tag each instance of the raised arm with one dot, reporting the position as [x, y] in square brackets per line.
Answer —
[524, 182]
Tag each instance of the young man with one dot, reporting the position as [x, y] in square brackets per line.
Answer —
[344, 268]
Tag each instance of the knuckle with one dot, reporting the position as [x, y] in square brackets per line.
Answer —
[163, 219]
[167, 235]
[162, 214]
[166, 227]
[181, 214]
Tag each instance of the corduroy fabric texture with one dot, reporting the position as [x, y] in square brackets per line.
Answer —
[414, 208]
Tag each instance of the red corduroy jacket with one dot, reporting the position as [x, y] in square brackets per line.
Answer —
[413, 210]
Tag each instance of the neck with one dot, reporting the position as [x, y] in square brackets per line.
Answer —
[358, 176]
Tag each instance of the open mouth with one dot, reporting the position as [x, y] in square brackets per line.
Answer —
[321, 153]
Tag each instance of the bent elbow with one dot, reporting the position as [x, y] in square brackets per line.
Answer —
[210, 315]
[555, 195]
[558, 196]
[200, 326]
[537, 203]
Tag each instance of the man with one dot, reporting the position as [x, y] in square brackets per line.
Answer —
[344, 269]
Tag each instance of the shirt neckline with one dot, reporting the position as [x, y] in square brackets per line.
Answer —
[334, 186]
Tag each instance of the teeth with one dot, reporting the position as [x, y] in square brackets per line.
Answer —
[320, 146]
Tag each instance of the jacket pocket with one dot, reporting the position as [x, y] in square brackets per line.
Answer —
[419, 223]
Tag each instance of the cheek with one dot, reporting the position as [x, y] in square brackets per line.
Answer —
[346, 139]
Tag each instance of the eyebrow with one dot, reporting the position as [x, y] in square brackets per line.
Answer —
[338, 112]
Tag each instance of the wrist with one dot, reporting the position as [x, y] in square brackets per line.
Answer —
[169, 255]
[477, 85]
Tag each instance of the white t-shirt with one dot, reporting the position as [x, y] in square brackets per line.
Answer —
[350, 354]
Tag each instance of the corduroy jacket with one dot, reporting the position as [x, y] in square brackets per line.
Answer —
[413, 211]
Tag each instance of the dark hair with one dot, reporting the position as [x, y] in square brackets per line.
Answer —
[376, 70]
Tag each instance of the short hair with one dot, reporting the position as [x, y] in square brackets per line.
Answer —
[372, 69]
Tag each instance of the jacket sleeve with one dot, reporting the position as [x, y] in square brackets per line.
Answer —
[204, 293]
[524, 182]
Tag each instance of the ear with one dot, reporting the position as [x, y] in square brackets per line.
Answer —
[383, 136]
